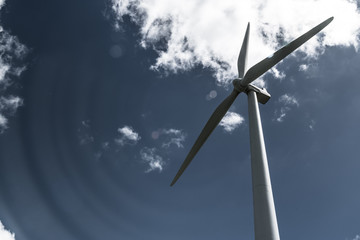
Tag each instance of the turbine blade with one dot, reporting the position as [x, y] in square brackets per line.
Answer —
[209, 127]
[260, 68]
[243, 53]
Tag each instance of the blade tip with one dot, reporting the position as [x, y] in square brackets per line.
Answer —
[248, 27]
[173, 182]
[329, 20]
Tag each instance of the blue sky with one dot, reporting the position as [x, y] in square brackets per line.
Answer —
[101, 101]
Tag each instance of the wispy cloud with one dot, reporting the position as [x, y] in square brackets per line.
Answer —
[312, 126]
[173, 137]
[357, 237]
[189, 33]
[84, 133]
[10, 103]
[127, 136]
[277, 74]
[11, 51]
[3, 123]
[231, 121]
[169, 137]
[280, 114]
[5, 234]
[8, 107]
[303, 67]
[163, 141]
[288, 102]
[152, 159]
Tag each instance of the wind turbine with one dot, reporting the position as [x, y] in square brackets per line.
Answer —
[265, 222]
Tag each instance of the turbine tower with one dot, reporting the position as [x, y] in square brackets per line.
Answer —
[265, 222]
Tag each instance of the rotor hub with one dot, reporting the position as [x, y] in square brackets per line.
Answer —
[237, 85]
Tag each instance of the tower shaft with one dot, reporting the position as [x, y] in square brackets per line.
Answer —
[265, 222]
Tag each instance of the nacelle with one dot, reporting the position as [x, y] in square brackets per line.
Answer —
[262, 95]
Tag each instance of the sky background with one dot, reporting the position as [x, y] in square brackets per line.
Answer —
[101, 100]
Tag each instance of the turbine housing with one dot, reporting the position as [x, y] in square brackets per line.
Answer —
[262, 95]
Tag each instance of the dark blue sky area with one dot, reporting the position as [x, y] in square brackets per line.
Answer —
[63, 176]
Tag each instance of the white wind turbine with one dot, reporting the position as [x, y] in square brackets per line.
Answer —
[265, 222]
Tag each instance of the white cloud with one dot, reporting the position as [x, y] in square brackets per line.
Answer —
[277, 74]
[85, 123]
[357, 237]
[127, 136]
[8, 106]
[152, 159]
[312, 126]
[105, 145]
[5, 234]
[164, 139]
[288, 102]
[209, 33]
[231, 121]
[169, 137]
[280, 114]
[84, 133]
[259, 82]
[4, 68]
[11, 51]
[303, 67]
[3, 123]
[174, 136]
[86, 139]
